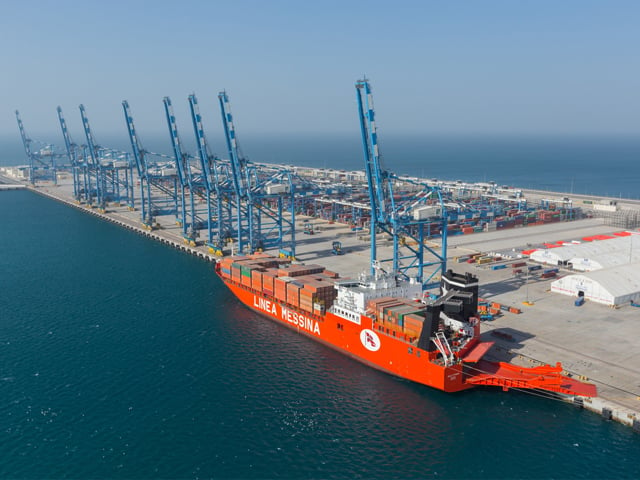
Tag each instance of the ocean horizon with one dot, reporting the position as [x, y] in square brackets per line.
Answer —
[602, 165]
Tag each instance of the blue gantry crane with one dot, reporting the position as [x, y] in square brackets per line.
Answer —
[158, 179]
[405, 219]
[262, 195]
[42, 161]
[189, 231]
[244, 205]
[112, 169]
[214, 180]
[141, 167]
[73, 152]
[94, 164]
[78, 167]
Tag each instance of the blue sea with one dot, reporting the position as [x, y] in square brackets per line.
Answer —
[123, 358]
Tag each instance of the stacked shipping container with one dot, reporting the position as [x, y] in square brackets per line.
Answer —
[306, 287]
[398, 315]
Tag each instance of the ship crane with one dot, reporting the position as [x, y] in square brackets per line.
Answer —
[408, 220]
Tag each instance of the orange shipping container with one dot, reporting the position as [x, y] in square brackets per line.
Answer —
[293, 294]
[413, 332]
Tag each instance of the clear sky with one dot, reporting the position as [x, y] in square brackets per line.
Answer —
[476, 66]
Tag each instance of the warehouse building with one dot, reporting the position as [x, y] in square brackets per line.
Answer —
[591, 256]
[610, 286]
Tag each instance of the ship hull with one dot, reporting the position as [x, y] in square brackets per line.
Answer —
[361, 339]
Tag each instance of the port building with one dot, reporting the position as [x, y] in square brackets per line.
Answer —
[610, 286]
[592, 255]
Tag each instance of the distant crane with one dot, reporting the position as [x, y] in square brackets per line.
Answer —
[94, 164]
[139, 155]
[112, 169]
[75, 158]
[182, 166]
[158, 181]
[42, 162]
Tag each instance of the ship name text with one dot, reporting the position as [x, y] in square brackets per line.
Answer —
[295, 318]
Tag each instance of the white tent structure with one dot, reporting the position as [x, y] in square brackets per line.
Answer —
[610, 286]
[597, 255]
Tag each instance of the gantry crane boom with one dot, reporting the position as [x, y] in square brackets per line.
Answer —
[182, 166]
[139, 156]
[175, 141]
[26, 141]
[72, 152]
[95, 160]
[69, 145]
[380, 190]
[91, 144]
[138, 152]
[203, 147]
[237, 162]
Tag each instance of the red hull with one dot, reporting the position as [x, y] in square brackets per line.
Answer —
[364, 342]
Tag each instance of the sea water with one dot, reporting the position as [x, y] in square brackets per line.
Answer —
[123, 358]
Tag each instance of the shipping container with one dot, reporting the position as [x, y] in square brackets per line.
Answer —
[256, 280]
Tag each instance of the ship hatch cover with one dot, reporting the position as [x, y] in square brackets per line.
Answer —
[477, 352]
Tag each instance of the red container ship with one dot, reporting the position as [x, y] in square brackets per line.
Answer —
[385, 323]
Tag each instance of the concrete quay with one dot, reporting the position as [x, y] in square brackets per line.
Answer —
[593, 342]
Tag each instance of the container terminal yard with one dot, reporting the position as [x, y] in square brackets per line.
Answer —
[213, 207]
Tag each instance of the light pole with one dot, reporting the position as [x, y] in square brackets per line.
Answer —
[527, 302]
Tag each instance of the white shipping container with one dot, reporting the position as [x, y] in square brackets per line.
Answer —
[275, 189]
[422, 213]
